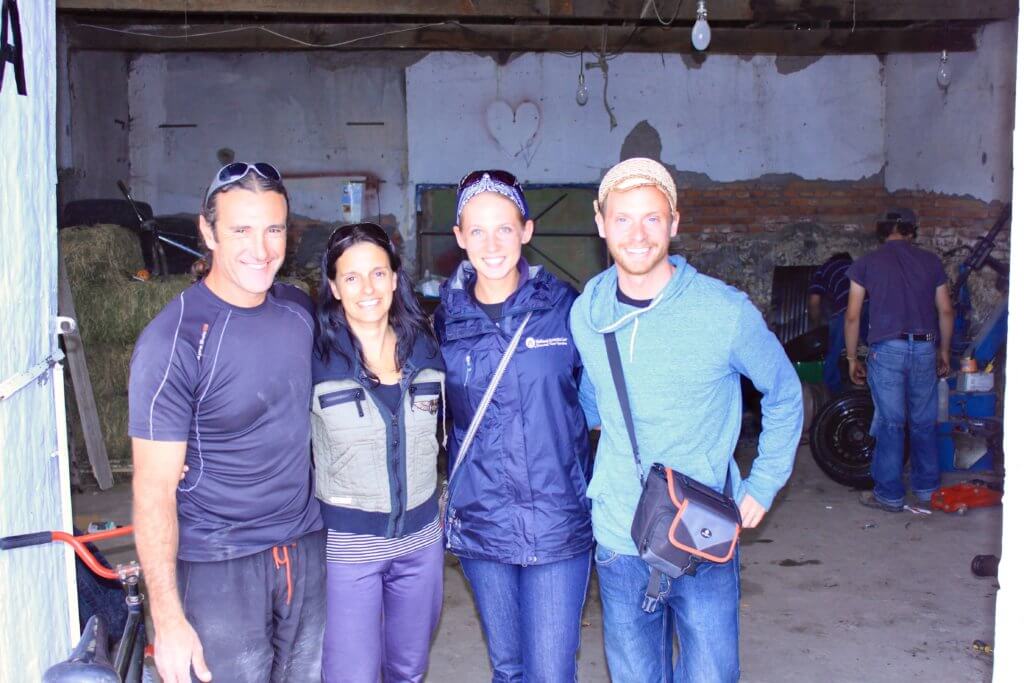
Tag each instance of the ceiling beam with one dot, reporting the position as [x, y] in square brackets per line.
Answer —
[452, 35]
[770, 11]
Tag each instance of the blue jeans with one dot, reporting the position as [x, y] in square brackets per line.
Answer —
[836, 343]
[904, 388]
[702, 609]
[531, 616]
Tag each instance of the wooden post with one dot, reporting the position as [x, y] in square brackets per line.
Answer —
[84, 397]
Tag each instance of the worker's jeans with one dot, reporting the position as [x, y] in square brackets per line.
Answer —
[531, 616]
[904, 388]
[703, 609]
[830, 369]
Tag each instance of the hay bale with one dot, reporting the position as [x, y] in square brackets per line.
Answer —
[99, 253]
[116, 311]
[108, 368]
[113, 419]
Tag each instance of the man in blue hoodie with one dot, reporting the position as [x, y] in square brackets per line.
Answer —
[685, 339]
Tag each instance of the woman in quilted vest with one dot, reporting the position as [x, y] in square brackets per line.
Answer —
[377, 395]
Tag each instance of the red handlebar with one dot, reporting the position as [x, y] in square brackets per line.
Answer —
[76, 542]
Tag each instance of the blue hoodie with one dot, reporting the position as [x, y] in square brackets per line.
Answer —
[682, 357]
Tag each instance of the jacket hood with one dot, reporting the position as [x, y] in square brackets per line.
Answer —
[459, 316]
[603, 312]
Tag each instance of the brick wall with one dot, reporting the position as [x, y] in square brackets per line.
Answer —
[740, 231]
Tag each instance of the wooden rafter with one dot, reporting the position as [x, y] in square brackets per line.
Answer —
[511, 38]
[864, 11]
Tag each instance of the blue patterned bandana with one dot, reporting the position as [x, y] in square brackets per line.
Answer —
[487, 183]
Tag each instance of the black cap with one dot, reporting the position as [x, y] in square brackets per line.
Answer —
[899, 215]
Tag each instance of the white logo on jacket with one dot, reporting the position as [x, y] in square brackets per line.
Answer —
[534, 343]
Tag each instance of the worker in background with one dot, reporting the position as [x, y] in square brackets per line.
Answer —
[911, 315]
[831, 286]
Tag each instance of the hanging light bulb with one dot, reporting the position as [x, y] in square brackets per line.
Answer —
[582, 94]
[944, 76]
[701, 33]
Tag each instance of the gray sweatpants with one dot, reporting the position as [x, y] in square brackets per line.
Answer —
[260, 618]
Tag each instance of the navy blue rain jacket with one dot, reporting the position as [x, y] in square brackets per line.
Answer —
[519, 497]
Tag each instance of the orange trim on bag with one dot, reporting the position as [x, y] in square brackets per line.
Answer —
[678, 518]
[672, 488]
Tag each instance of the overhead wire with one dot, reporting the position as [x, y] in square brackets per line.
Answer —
[237, 29]
[657, 15]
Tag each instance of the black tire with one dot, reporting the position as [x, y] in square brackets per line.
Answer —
[96, 211]
[840, 440]
[814, 396]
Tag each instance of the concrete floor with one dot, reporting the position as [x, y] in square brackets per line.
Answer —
[832, 591]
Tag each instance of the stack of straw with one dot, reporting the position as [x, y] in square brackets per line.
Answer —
[113, 308]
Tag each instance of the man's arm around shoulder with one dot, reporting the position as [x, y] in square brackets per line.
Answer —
[157, 471]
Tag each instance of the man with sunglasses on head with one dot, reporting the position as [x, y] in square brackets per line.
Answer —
[910, 311]
[233, 550]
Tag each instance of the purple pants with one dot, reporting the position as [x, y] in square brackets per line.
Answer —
[381, 616]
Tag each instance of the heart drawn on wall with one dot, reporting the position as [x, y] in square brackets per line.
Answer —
[513, 130]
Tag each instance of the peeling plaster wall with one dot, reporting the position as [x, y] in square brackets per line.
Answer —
[92, 137]
[34, 609]
[730, 119]
[955, 141]
[294, 110]
[722, 119]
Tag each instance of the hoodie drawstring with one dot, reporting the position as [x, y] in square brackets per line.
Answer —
[632, 337]
[284, 560]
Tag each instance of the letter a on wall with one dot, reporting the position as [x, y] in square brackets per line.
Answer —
[11, 52]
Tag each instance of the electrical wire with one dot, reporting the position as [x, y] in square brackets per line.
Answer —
[657, 15]
[608, 56]
[237, 29]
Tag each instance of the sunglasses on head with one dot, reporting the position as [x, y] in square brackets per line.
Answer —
[345, 231]
[503, 177]
[234, 172]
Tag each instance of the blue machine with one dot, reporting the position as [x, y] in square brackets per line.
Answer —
[970, 433]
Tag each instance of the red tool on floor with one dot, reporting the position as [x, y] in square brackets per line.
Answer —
[967, 494]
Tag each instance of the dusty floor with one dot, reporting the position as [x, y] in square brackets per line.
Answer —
[832, 591]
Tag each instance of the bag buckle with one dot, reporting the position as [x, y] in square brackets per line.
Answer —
[653, 594]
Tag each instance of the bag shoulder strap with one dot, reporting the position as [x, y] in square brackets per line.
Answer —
[478, 416]
[615, 361]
